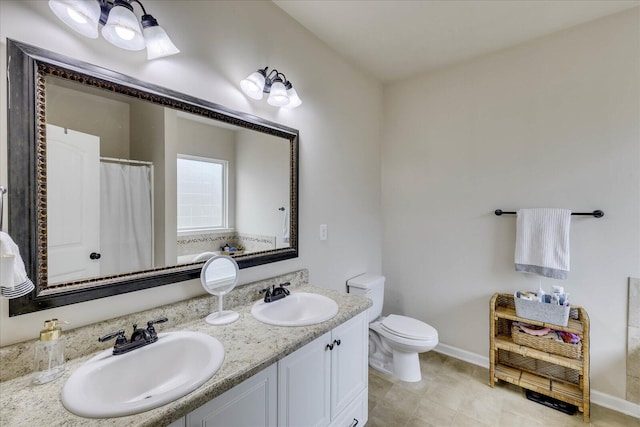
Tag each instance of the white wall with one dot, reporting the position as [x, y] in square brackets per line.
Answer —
[221, 43]
[551, 123]
[263, 185]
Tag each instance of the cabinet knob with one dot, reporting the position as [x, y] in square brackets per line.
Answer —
[354, 423]
[329, 347]
[94, 255]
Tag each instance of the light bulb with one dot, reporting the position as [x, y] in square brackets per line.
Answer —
[125, 33]
[294, 99]
[80, 15]
[76, 16]
[278, 96]
[155, 37]
[253, 85]
[122, 28]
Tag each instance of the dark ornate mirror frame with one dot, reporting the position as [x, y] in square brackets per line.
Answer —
[27, 181]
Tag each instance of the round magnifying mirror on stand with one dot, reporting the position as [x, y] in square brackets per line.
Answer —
[219, 276]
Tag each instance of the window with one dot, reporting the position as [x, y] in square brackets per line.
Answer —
[202, 193]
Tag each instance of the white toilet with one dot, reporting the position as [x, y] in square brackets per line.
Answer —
[394, 340]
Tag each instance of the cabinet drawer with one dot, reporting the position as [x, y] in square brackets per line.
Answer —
[356, 413]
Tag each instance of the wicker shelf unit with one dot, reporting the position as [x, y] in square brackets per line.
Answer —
[539, 368]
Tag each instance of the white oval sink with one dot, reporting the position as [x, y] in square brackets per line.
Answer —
[297, 309]
[114, 386]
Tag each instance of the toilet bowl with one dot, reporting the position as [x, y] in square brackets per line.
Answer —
[394, 341]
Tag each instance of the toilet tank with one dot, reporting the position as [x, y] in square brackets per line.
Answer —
[372, 287]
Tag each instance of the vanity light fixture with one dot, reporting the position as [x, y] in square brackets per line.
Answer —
[280, 90]
[121, 26]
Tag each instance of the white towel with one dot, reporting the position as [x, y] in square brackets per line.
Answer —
[542, 242]
[8, 247]
[285, 225]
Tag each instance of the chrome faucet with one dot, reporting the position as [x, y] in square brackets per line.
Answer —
[139, 337]
[274, 294]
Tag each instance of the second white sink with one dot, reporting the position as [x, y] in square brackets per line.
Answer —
[297, 309]
[113, 386]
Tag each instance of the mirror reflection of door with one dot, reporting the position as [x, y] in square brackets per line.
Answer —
[73, 204]
[99, 210]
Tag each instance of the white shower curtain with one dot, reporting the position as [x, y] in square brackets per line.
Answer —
[125, 223]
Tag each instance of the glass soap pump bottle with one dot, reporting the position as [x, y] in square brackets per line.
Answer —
[49, 353]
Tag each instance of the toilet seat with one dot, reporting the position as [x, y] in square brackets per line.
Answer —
[397, 340]
[408, 327]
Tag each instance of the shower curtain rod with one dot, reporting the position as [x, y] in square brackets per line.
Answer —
[596, 214]
[131, 162]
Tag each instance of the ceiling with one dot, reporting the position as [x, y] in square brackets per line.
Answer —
[395, 39]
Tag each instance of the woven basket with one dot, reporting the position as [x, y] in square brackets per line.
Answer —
[573, 351]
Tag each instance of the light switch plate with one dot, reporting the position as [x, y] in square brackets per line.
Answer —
[323, 232]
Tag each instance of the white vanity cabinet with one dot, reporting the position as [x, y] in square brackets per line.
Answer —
[251, 403]
[325, 382]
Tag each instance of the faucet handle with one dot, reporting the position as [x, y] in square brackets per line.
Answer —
[150, 324]
[286, 291]
[120, 338]
[153, 322]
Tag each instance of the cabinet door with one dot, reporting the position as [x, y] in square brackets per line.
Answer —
[304, 385]
[250, 403]
[178, 423]
[349, 362]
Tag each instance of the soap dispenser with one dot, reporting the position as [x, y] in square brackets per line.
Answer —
[49, 353]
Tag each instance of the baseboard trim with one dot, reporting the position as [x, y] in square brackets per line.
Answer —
[597, 397]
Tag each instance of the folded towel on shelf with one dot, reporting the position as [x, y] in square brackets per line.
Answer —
[15, 282]
[542, 242]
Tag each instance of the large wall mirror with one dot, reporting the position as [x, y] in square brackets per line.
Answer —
[117, 185]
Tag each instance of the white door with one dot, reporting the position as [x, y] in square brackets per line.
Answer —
[73, 204]
[304, 385]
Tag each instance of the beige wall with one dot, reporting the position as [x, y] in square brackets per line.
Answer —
[263, 184]
[148, 125]
[221, 43]
[92, 114]
[550, 123]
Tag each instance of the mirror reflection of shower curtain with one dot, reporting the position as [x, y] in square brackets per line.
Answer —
[126, 221]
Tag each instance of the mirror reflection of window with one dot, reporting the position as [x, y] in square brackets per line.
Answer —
[202, 194]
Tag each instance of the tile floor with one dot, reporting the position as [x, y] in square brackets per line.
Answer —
[456, 393]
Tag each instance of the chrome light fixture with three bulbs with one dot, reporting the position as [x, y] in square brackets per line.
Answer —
[120, 25]
[280, 90]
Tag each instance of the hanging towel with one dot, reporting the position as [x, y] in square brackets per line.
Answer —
[542, 242]
[285, 225]
[18, 283]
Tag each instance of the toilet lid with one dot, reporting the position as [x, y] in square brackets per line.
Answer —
[408, 327]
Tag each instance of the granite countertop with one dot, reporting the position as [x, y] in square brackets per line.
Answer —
[249, 345]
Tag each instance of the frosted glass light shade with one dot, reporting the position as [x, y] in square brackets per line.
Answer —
[158, 42]
[122, 28]
[253, 85]
[278, 96]
[294, 99]
[80, 15]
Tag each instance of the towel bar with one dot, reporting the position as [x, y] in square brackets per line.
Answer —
[596, 214]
